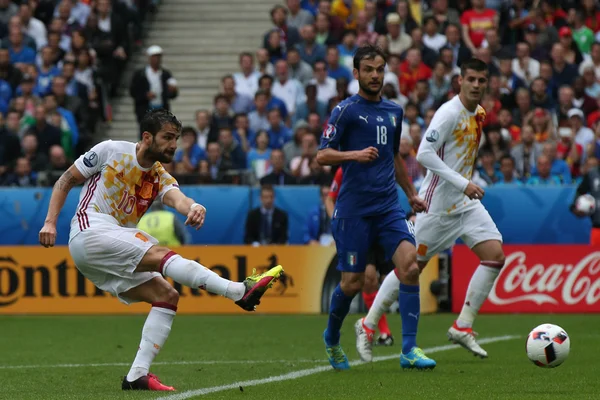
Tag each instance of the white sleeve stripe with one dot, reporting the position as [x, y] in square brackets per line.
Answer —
[343, 110]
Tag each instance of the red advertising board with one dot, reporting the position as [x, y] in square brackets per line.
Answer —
[535, 279]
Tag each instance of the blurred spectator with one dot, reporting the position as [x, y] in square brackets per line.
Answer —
[222, 116]
[217, 168]
[23, 176]
[432, 38]
[572, 53]
[408, 20]
[422, 97]
[412, 166]
[46, 134]
[242, 132]
[38, 160]
[239, 103]
[8, 72]
[591, 84]
[593, 61]
[412, 70]
[10, 148]
[318, 175]
[263, 64]
[289, 90]
[428, 56]
[311, 6]
[326, 85]
[279, 134]
[399, 41]
[246, 81]
[508, 172]
[523, 66]
[300, 165]
[258, 157]
[204, 132]
[336, 70]
[581, 100]
[7, 10]
[275, 47]
[564, 72]
[439, 84]
[164, 226]
[278, 176]
[298, 17]
[442, 14]
[266, 224]
[364, 32]
[298, 68]
[568, 150]
[152, 86]
[312, 103]
[475, 22]
[558, 168]
[188, 156]
[526, 153]
[258, 118]
[495, 143]
[58, 164]
[460, 51]
[317, 228]
[347, 11]
[293, 148]
[231, 150]
[544, 175]
[33, 26]
[266, 83]
[510, 132]
[323, 35]
[18, 51]
[288, 35]
[583, 135]
[336, 25]
[309, 49]
[488, 170]
[347, 49]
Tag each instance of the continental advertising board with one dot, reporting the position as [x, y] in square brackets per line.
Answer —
[35, 280]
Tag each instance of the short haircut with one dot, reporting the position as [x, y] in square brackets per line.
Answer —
[155, 120]
[473, 64]
[267, 188]
[368, 52]
[507, 157]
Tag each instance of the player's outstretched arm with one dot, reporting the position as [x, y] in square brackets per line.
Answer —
[61, 189]
[417, 203]
[184, 205]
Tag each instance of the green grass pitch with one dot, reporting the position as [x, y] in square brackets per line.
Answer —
[86, 357]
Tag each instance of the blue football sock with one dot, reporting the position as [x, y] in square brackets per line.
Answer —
[410, 308]
[340, 305]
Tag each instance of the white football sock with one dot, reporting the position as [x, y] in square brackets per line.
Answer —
[480, 286]
[155, 333]
[190, 273]
[387, 294]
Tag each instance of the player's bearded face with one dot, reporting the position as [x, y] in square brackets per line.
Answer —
[370, 76]
[162, 148]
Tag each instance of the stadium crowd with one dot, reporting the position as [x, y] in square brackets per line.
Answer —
[60, 66]
[543, 102]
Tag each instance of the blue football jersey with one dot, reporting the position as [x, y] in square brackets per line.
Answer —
[356, 123]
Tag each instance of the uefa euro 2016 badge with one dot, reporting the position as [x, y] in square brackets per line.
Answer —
[432, 135]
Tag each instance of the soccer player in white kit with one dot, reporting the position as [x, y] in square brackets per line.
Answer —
[449, 152]
[122, 179]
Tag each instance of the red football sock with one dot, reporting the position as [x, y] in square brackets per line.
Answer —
[383, 326]
[369, 298]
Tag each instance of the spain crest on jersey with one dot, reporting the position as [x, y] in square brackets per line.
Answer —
[393, 119]
[146, 191]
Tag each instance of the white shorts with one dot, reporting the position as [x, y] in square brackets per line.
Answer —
[436, 233]
[108, 254]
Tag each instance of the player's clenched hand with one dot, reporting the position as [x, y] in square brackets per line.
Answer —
[417, 204]
[48, 235]
[474, 192]
[367, 155]
[196, 215]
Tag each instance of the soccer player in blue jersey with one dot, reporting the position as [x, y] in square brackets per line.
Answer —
[363, 135]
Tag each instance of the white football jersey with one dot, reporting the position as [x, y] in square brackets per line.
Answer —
[454, 136]
[117, 190]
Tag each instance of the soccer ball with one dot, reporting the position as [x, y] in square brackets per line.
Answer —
[548, 345]
[586, 204]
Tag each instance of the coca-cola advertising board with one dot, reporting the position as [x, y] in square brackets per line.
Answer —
[535, 279]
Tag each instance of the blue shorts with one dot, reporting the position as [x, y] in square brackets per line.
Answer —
[354, 237]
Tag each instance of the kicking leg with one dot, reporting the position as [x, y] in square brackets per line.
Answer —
[157, 327]
[409, 301]
[246, 294]
[491, 259]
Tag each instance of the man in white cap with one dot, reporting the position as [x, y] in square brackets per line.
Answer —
[152, 86]
[583, 135]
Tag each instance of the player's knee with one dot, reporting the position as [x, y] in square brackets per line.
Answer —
[495, 259]
[154, 258]
[409, 274]
[371, 283]
[169, 295]
[351, 284]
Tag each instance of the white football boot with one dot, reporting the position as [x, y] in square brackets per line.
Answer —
[364, 340]
[466, 338]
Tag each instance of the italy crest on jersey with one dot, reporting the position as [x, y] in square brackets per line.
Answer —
[393, 119]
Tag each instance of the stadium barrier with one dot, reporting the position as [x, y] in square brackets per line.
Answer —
[35, 280]
[532, 215]
[535, 279]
